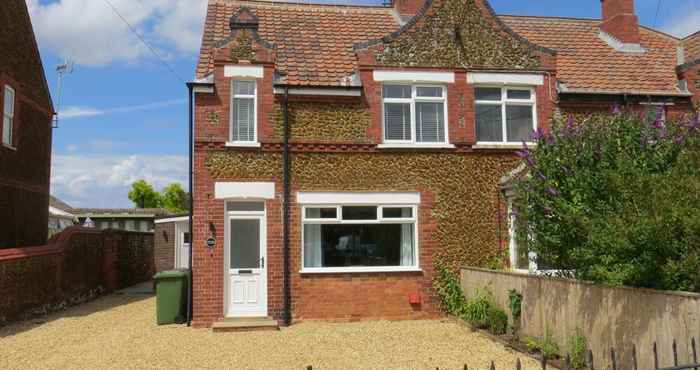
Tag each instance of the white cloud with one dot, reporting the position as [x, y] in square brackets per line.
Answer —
[104, 181]
[683, 23]
[90, 33]
[81, 112]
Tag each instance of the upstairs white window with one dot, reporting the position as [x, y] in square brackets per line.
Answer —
[243, 117]
[8, 116]
[414, 114]
[505, 114]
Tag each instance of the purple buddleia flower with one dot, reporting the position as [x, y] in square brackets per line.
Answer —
[570, 122]
[616, 109]
[538, 134]
[552, 191]
[541, 176]
[679, 139]
[522, 153]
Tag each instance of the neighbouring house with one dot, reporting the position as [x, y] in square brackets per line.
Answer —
[60, 216]
[341, 153]
[172, 242]
[25, 131]
[127, 219]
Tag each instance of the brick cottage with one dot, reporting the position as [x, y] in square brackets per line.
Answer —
[342, 152]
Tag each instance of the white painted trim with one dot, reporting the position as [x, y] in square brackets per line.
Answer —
[241, 144]
[203, 89]
[339, 270]
[415, 146]
[319, 91]
[505, 78]
[172, 219]
[413, 76]
[322, 198]
[243, 71]
[244, 190]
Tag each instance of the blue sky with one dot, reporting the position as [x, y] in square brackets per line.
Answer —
[125, 114]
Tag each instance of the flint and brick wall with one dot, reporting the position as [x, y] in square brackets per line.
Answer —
[75, 266]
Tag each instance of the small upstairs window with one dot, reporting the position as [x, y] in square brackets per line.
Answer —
[414, 114]
[243, 117]
[505, 114]
[8, 116]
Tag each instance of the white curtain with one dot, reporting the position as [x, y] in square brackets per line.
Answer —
[407, 240]
[313, 253]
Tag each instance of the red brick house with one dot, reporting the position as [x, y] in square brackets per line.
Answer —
[25, 127]
[341, 153]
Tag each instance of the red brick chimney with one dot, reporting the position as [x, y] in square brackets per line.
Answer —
[407, 8]
[620, 20]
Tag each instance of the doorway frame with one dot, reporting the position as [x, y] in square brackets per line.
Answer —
[245, 215]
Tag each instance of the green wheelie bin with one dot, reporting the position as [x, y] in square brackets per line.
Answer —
[171, 296]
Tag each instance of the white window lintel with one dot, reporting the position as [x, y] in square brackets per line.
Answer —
[243, 71]
[321, 198]
[529, 79]
[244, 190]
[414, 76]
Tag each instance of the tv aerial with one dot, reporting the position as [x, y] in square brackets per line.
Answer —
[62, 69]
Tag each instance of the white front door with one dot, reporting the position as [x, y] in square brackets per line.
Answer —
[246, 266]
[182, 245]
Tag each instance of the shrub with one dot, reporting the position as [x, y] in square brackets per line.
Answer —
[515, 301]
[497, 320]
[477, 310]
[545, 345]
[615, 200]
[578, 346]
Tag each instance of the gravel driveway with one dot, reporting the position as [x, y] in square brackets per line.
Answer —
[119, 332]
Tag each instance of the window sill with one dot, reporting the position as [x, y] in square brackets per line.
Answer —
[502, 145]
[415, 146]
[357, 270]
[235, 144]
[9, 147]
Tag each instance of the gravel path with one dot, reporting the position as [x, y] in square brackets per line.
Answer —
[119, 332]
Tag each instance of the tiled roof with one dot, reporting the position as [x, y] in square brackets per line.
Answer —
[314, 42]
[59, 204]
[587, 63]
[692, 47]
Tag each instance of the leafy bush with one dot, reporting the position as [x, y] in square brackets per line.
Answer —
[477, 310]
[546, 345]
[615, 200]
[515, 301]
[497, 320]
[578, 346]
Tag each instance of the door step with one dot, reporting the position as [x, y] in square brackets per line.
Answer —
[245, 324]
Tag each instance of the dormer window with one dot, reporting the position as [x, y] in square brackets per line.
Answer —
[414, 114]
[243, 117]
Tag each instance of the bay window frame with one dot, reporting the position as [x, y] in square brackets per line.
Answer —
[380, 220]
[413, 114]
[233, 96]
[11, 116]
[504, 102]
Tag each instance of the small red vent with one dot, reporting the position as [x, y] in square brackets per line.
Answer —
[414, 298]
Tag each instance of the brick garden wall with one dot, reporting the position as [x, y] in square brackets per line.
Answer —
[164, 246]
[75, 266]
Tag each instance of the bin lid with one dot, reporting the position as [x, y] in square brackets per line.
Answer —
[169, 274]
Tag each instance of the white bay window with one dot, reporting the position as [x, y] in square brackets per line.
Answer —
[505, 114]
[243, 112]
[8, 116]
[359, 238]
[414, 114]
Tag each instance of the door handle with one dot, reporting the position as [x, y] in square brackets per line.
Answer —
[262, 262]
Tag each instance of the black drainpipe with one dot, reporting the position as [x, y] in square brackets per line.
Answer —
[190, 145]
[285, 206]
